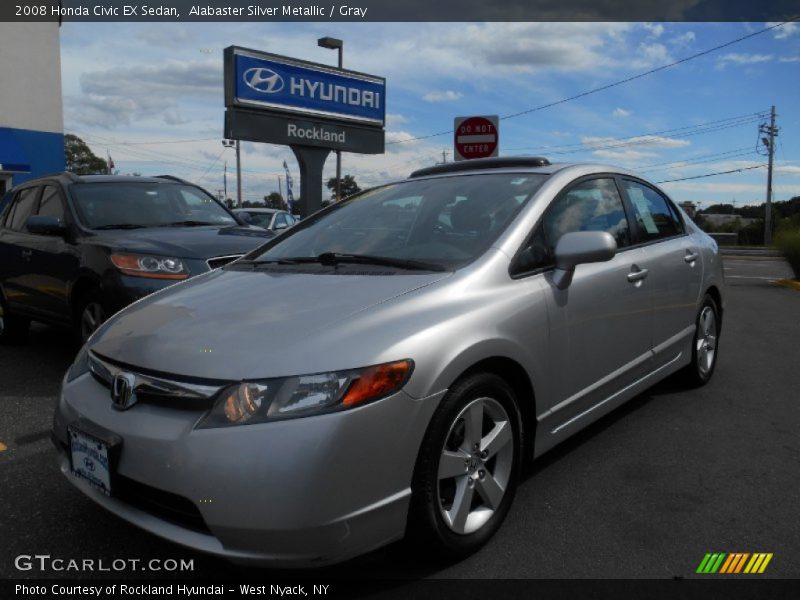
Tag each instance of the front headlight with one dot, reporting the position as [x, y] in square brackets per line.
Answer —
[154, 267]
[80, 365]
[291, 397]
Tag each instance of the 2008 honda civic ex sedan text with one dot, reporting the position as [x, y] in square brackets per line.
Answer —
[385, 366]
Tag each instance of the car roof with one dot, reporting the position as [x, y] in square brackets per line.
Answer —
[67, 178]
[512, 164]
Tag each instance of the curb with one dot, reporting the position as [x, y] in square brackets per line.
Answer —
[792, 284]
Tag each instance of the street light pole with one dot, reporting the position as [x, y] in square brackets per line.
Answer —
[331, 44]
[235, 144]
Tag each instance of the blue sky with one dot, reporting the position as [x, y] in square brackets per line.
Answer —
[151, 95]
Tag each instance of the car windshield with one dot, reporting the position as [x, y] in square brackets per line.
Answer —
[446, 221]
[128, 205]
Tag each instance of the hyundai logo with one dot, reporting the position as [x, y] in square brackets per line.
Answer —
[263, 80]
[123, 395]
[89, 464]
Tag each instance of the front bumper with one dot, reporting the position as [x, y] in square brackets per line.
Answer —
[301, 492]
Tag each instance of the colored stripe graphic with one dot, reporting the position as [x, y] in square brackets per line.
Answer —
[758, 563]
[711, 562]
[724, 563]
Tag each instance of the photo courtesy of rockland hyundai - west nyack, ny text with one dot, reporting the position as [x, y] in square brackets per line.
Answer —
[391, 300]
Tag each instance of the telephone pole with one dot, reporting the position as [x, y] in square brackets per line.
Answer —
[771, 132]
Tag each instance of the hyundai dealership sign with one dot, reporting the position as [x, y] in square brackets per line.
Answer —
[287, 85]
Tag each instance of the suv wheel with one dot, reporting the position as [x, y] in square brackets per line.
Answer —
[91, 314]
[13, 329]
[468, 466]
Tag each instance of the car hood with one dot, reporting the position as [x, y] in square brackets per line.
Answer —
[186, 242]
[236, 325]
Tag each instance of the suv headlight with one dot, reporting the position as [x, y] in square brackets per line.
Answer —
[291, 397]
[154, 267]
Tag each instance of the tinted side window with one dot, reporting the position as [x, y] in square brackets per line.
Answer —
[23, 208]
[50, 205]
[593, 205]
[654, 217]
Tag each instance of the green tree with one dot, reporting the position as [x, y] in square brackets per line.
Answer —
[274, 200]
[80, 159]
[349, 186]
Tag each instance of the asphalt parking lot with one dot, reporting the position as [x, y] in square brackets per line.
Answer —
[644, 493]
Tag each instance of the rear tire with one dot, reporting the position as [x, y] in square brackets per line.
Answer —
[13, 329]
[705, 345]
[468, 467]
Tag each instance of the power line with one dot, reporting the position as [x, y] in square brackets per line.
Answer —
[616, 83]
[697, 160]
[713, 174]
[686, 131]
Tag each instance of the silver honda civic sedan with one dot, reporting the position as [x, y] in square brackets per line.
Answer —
[385, 367]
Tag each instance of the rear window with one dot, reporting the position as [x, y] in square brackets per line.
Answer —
[654, 216]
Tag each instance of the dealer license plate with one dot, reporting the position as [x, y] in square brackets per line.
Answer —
[90, 460]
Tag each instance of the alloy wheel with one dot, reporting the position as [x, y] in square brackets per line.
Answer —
[706, 340]
[475, 465]
[92, 317]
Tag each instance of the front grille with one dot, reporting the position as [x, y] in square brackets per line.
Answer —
[221, 261]
[165, 505]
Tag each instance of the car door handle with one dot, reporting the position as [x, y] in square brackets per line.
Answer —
[638, 275]
[26, 254]
[690, 256]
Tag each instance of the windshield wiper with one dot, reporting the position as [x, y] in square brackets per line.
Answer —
[187, 224]
[335, 258]
[121, 226]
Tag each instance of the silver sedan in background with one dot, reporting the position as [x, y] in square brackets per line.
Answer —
[384, 367]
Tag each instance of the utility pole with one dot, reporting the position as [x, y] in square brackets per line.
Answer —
[338, 45]
[771, 132]
[444, 158]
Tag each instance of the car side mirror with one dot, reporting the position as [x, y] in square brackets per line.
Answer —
[245, 217]
[581, 247]
[45, 225]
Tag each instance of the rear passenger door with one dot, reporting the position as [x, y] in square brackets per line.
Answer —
[16, 252]
[674, 266]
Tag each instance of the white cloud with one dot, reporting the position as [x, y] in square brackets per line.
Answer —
[393, 119]
[787, 30]
[650, 55]
[790, 59]
[656, 30]
[442, 96]
[744, 59]
[685, 39]
[652, 141]
[621, 113]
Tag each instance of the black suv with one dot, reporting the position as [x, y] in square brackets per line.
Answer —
[74, 250]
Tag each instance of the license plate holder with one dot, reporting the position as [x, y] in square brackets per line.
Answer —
[92, 454]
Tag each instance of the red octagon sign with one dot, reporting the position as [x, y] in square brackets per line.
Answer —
[475, 137]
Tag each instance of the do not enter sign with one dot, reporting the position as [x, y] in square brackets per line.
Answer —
[475, 137]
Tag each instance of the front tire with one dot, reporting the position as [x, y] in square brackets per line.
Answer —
[705, 344]
[468, 467]
[91, 313]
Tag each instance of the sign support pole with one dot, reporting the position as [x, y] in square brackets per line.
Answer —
[311, 161]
